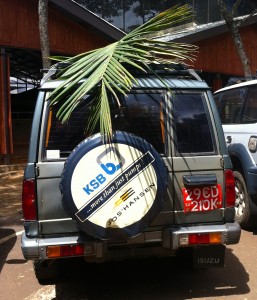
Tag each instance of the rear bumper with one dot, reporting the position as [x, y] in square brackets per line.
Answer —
[230, 233]
[159, 243]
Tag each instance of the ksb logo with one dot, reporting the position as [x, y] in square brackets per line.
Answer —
[108, 167]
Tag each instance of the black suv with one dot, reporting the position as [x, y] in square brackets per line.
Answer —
[164, 184]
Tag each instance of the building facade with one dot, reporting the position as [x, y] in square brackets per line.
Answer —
[76, 27]
[128, 14]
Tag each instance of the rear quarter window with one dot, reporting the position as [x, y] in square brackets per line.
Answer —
[238, 106]
[192, 125]
[230, 105]
[249, 114]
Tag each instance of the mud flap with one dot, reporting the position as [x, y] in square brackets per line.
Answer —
[209, 256]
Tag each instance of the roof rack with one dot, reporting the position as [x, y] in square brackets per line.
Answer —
[53, 71]
[178, 70]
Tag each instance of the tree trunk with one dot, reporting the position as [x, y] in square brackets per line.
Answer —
[241, 52]
[43, 32]
[228, 15]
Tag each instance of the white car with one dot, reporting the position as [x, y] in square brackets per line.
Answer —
[237, 105]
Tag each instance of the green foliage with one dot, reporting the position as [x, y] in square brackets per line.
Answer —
[106, 69]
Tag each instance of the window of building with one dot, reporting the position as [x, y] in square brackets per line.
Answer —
[129, 14]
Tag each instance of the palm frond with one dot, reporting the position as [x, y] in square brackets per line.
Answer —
[105, 70]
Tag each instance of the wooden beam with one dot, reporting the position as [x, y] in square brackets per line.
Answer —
[6, 142]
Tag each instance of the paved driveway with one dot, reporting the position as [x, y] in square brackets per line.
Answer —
[152, 280]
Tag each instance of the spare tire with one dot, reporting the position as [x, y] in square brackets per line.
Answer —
[114, 190]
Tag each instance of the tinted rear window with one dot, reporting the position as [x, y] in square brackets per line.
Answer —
[139, 113]
[191, 124]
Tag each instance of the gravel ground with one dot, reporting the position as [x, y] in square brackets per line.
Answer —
[10, 190]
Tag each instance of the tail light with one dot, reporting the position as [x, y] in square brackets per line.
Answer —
[66, 250]
[29, 200]
[200, 238]
[230, 188]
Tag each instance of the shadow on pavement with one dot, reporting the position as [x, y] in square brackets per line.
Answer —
[8, 237]
[7, 241]
[153, 279]
[15, 261]
[254, 231]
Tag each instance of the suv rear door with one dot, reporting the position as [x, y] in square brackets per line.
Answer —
[139, 113]
[178, 125]
[197, 163]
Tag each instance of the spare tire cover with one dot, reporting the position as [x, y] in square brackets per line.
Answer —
[114, 190]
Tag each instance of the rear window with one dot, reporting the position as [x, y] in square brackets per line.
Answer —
[139, 113]
[192, 125]
[143, 114]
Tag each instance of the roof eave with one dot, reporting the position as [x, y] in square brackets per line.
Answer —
[214, 29]
[85, 17]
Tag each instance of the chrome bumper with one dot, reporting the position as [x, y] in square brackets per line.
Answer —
[168, 240]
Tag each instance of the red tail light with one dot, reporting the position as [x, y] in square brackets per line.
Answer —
[66, 250]
[230, 188]
[200, 238]
[29, 200]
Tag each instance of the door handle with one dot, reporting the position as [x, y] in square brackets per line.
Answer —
[228, 139]
[199, 180]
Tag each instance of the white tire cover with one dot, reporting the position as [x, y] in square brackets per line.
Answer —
[114, 190]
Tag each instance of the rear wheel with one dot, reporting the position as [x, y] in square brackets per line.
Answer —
[47, 272]
[242, 201]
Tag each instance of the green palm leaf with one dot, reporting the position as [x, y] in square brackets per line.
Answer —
[105, 71]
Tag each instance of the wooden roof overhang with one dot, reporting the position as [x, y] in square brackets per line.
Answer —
[217, 52]
[72, 29]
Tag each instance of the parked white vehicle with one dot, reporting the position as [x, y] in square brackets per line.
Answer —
[237, 105]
